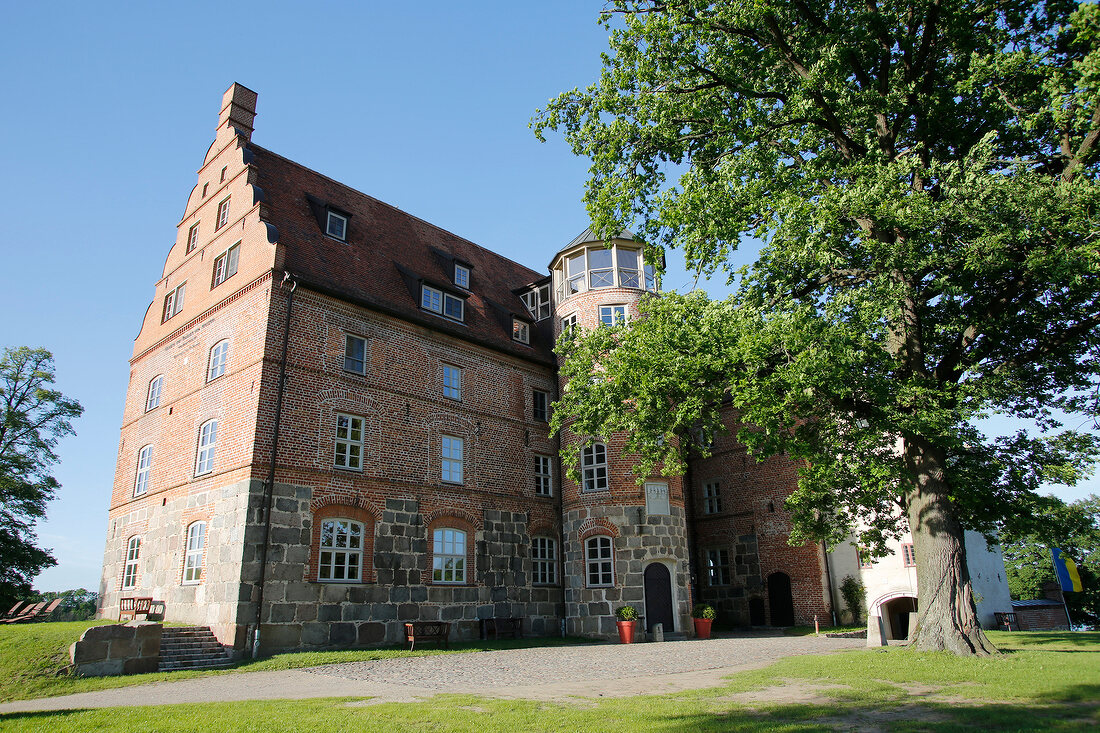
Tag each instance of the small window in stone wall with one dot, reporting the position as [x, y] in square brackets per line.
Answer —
[599, 560]
[340, 559]
[594, 467]
[133, 552]
[656, 499]
[192, 562]
[718, 567]
[544, 560]
[448, 555]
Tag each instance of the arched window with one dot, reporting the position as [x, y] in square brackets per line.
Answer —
[152, 397]
[341, 552]
[448, 555]
[208, 441]
[144, 464]
[594, 463]
[130, 571]
[192, 560]
[599, 561]
[544, 560]
[219, 357]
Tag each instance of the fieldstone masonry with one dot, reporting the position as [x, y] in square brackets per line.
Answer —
[131, 648]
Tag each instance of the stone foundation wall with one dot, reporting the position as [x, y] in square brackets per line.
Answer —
[131, 648]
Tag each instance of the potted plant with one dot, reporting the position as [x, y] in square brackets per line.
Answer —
[703, 615]
[627, 619]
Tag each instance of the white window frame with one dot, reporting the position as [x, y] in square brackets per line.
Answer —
[712, 498]
[568, 323]
[350, 442]
[152, 394]
[144, 466]
[451, 454]
[193, 550]
[358, 365]
[719, 572]
[337, 218]
[599, 561]
[537, 302]
[192, 238]
[435, 300]
[449, 555]
[540, 414]
[452, 382]
[223, 213]
[544, 561]
[208, 444]
[218, 361]
[594, 467]
[130, 567]
[544, 475]
[225, 265]
[462, 276]
[173, 302]
[614, 315]
[343, 553]
[521, 331]
[908, 555]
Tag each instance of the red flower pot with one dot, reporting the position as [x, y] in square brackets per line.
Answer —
[702, 627]
[626, 631]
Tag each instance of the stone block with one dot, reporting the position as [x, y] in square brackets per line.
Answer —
[355, 611]
[105, 668]
[123, 648]
[280, 613]
[383, 612]
[334, 592]
[408, 612]
[83, 651]
[328, 612]
[400, 594]
[450, 613]
[280, 636]
[140, 665]
[371, 633]
[314, 634]
[418, 594]
[342, 634]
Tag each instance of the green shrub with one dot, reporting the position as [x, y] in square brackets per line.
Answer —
[854, 596]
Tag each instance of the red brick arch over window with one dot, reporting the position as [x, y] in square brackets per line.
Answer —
[440, 520]
[599, 525]
[342, 511]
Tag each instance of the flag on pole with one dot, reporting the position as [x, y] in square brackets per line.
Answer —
[1066, 570]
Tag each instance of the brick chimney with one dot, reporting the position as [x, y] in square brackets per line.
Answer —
[238, 111]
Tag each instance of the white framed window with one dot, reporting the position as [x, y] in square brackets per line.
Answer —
[208, 441]
[219, 358]
[173, 302]
[712, 498]
[452, 382]
[537, 301]
[436, 301]
[349, 442]
[130, 569]
[718, 567]
[452, 459]
[908, 556]
[599, 561]
[568, 323]
[600, 267]
[355, 354]
[448, 555]
[594, 467]
[544, 476]
[152, 396]
[612, 315]
[144, 465]
[544, 560]
[462, 276]
[656, 499]
[225, 265]
[521, 331]
[336, 226]
[540, 405]
[224, 169]
[223, 214]
[192, 238]
[340, 559]
[192, 560]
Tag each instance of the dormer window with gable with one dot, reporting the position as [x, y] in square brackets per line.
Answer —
[336, 225]
[537, 301]
[445, 304]
[462, 276]
[521, 331]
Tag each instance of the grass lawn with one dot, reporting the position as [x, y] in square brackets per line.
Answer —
[1044, 681]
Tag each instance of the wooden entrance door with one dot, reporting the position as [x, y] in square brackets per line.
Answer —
[658, 597]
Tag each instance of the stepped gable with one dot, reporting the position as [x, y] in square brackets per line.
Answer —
[388, 253]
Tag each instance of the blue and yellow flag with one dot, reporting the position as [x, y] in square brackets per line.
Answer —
[1066, 570]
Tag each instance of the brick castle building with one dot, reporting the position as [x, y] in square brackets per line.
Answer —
[337, 422]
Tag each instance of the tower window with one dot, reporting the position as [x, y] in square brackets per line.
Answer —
[594, 465]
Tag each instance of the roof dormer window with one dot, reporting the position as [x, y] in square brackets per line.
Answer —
[445, 304]
[462, 276]
[521, 331]
[336, 226]
[537, 301]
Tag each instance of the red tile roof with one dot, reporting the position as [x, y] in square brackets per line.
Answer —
[386, 255]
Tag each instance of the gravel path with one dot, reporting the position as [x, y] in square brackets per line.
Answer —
[546, 673]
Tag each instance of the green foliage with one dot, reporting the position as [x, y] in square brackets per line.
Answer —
[627, 613]
[854, 596]
[33, 418]
[703, 610]
[924, 179]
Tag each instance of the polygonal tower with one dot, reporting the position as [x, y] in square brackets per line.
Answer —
[623, 543]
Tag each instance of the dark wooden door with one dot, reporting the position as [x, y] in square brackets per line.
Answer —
[780, 600]
[658, 598]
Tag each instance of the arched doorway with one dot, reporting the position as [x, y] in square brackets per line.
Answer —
[780, 599]
[658, 597]
[895, 616]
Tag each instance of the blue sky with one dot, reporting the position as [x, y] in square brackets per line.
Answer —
[111, 107]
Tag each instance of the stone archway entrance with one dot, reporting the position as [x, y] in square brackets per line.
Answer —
[895, 616]
[780, 599]
[658, 597]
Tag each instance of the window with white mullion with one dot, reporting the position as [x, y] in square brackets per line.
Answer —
[225, 265]
[712, 498]
[544, 476]
[451, 449]
[130, 570]
[718, 567]
[144, 465]
[152, 398]
[452, 382]
[448, 555]
[192, 563]
[355, 354]
[208, 441]
[544, 561]
[341, 554]
[349, 442]
[219, 359]
[594, 467]
[599, 558]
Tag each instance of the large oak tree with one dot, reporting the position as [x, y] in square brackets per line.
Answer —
[923, 179]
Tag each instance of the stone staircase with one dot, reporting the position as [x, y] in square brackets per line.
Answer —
[191, 647]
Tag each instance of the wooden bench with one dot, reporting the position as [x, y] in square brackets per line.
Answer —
[427, 631]
[498, 627]
[1007, 621]
[134, 607]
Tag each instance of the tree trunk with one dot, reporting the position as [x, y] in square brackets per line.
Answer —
[947, 619]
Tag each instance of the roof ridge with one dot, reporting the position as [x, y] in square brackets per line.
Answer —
[539, 275]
